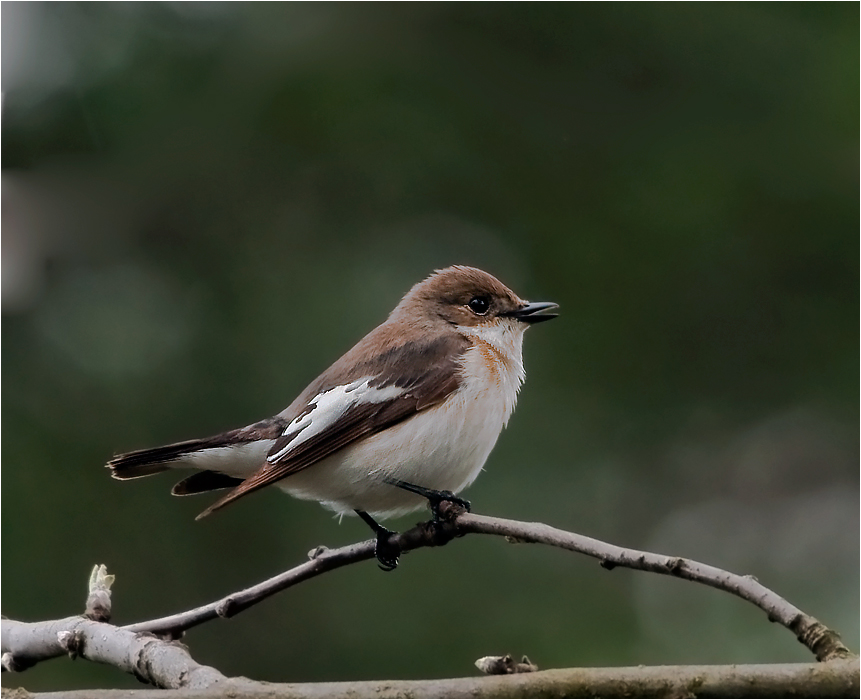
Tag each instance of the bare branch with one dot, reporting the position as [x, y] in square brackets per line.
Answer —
[823, 642]
[320, 561]
[833, 679]
[152, 660]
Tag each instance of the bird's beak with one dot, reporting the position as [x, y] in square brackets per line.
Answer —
[533, 312]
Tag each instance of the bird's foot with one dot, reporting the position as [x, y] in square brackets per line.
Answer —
[442, 497]
[386, 551]
[435, 498]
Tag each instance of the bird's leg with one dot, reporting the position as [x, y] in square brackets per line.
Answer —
[435, 498]
[385, 551]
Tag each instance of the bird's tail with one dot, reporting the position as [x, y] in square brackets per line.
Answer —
[248, 446]
[134, 465]
[154, 460]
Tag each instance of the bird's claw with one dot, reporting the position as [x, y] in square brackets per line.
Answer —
[385, 551]
[440, 497]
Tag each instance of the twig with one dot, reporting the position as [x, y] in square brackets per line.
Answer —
[504, 665]
[823, 642]
[99, 598]
[320, 561]
[26, 644]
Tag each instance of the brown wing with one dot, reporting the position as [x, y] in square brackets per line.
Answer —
[413, 377]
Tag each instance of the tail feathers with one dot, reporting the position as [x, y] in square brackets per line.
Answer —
[248, 447]
[133, 465]
[200, 482]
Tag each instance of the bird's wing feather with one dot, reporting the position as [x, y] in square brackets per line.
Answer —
[413, 377]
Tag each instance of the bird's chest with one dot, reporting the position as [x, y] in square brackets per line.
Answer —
[451, 442]
[487, 395]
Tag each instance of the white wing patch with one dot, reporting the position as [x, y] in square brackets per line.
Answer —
[328, 407]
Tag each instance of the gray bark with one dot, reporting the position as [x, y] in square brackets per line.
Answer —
[832, 679]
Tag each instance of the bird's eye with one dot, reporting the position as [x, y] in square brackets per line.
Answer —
[479, 305]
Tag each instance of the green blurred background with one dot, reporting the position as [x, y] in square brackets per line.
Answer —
[206, 204]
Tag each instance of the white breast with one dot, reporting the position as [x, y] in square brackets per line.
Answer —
[441, 448]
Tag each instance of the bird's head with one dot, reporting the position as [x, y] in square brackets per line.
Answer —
[469, 298]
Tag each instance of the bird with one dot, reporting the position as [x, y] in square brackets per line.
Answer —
[407, 416]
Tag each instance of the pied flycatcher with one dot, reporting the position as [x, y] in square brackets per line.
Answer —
[411, 412]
